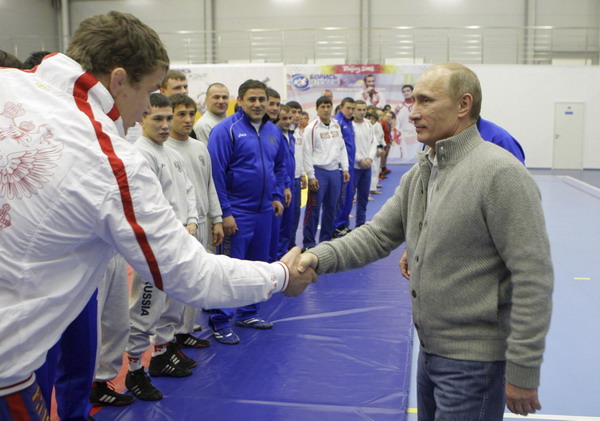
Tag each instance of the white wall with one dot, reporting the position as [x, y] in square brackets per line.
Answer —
[161, 15]
[448, 13]
[27, 26]
[521, 99]
[294, 14]
[568, 13]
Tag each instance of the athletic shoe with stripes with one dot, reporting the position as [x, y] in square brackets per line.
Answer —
[138, 383]
[168, 364]
[255, 323]
[104, 394]
[184, 360]
[225, 335]
[185, 340]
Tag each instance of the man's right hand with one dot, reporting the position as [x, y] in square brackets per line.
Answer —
[229, 226]
[308, 260]
[313, 184]
[404, 266]
[522, 401]
[303, 182]
[298, 280]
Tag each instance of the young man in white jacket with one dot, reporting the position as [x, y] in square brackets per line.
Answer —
[366, 148]
[324, 156]
[73, 192]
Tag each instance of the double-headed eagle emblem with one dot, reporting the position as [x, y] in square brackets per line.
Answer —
[27, 154]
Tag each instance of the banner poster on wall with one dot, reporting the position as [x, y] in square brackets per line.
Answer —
[376, 84]
[201, 76]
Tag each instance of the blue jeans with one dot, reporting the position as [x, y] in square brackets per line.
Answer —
[455, 390]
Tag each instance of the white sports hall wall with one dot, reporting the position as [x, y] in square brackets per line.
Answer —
[518, 97]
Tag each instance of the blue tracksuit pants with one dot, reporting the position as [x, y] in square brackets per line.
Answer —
[342, 218]
[70, 365]
[285, 230]
[251, 242]
[362, 183]
[276, 226]
[330, 184]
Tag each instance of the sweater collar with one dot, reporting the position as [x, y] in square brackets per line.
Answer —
[451, 150]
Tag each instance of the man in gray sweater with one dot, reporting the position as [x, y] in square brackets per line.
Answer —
[482, 277]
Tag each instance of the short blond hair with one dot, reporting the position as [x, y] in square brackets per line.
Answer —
[102, 43]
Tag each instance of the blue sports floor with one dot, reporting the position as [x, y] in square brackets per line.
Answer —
[342, 350]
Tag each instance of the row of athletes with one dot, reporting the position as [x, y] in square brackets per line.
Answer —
[187, 182]
[74, 192]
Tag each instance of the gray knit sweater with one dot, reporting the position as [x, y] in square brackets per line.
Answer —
[481, 271]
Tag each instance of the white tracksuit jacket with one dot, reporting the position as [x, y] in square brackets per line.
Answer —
[324, 147]
[72, 191]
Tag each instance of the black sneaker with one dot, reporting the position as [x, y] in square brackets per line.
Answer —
[138, 383]
[183, 360]
[185, 340]
[168, 364]
[103, 394]
[340, 232]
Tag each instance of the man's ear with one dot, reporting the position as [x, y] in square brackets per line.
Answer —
[117, 81]
[465, 103]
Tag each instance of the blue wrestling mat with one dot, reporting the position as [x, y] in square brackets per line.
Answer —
[341, 351]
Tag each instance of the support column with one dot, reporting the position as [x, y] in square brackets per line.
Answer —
[530, 22]
[365, 31]
[210, 40]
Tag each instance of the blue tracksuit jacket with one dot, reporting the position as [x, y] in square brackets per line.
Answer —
[497, 135]
[244, 163]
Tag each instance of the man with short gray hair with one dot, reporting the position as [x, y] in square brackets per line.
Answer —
[482, 276]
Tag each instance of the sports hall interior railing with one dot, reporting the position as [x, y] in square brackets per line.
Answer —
[393, 45]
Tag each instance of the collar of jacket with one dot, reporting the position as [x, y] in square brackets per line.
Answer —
[341, 117]
[245, 117]
[451, 150]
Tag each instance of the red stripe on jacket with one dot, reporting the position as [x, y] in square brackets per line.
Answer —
[80, 92]
[16, 407]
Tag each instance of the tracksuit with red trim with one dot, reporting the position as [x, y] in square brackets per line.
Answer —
[324, 155]
[247, 165]
[72, 192]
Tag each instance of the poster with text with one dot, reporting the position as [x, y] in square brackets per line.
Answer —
[376, 84]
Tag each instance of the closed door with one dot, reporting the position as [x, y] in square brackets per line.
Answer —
[568, 135]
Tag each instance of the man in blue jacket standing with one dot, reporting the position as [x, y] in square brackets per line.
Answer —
[344, 119]
[247, 159]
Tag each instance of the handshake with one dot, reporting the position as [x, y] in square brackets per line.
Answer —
[302, 270]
